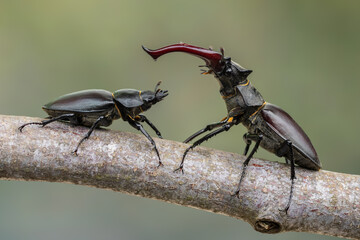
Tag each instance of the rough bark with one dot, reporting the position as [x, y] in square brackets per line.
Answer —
[324, 202]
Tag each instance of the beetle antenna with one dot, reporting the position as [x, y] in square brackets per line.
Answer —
[156, 87]
[222, 54]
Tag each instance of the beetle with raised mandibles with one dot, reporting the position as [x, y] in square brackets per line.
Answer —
[96, 107]
[268, 125]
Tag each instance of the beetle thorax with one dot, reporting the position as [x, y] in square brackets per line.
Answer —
[231, 76]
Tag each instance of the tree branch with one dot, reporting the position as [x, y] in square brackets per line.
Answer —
[324, 202]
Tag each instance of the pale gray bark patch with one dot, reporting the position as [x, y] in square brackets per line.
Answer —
[324, 202]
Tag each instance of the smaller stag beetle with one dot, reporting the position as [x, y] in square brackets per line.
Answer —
[96, 107]
[268, 125]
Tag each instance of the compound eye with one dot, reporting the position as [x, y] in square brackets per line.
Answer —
[228, 71]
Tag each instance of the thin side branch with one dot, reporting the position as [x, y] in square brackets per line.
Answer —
[324, 202]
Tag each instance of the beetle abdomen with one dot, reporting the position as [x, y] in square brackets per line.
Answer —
[86, 101]
[283, 124]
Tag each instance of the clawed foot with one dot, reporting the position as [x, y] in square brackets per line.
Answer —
[75, 152]
[285, 209]
[236, 194]
[179, 169]
[31, 123]
[21, 128]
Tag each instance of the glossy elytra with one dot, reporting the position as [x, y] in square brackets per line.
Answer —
[96, 107]
[268, 125]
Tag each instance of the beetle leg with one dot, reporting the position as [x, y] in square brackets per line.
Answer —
[46, 122]
[258, 139]
[248, 143]
[283, 150]
[95, 124]
[145, 119]
[224, 127]
[207, 128]
[139, 127]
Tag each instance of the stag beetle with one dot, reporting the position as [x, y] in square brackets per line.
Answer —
[96, 107]
[268, 125]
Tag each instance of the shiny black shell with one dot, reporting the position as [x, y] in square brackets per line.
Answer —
[284, 126]
[86, 101]
[129, 98]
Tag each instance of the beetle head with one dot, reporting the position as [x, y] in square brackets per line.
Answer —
[152, 97]
[232, 75]
[228, 73]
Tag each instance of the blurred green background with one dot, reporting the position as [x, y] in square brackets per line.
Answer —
[305, 56]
